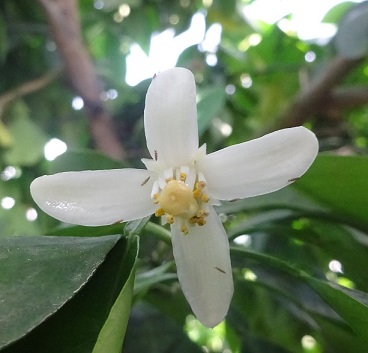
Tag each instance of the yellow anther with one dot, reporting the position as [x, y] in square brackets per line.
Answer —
[197, 193]
[169, 219]
[182, 176]
[192, 220]
[156, 198]
[184, 229]
[159, 212]
[205, 198]
[201, 222]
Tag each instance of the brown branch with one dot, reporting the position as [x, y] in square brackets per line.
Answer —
[62, 16]
[349, 97]
[318, 94]
[26, 88]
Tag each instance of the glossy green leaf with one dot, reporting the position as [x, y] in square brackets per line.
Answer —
[43, 272]
[261, 305]
[75, 327]
[82, 231]
[351, 305]
[339, 183]
[286, 198]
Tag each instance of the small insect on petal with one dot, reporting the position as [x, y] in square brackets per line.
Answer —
[145, 181]
[156, 155]
[119, 221]
[293, 179]
[219, 269]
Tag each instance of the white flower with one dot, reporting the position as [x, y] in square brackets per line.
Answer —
[181, 184]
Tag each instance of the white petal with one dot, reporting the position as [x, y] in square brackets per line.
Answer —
[259, 166]
[94, 198]
[170, 117]
[204, 269]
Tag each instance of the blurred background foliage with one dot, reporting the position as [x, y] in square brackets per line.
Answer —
[299, 255]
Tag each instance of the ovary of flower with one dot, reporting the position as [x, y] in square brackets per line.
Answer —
[181, 185]
[177, 199]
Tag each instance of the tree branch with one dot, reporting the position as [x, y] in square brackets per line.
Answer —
[319, 94]
[62, 16]
[349, 97]
[26, 88]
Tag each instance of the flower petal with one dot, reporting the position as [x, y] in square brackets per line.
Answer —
[94, 198]
[204, 269]
[259, 166]
[170, 117]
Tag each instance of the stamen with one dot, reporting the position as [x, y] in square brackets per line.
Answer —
[168, 174]
[155, 189]
[201, 177]
[202, 213]
[156, 199]
[169, 219]
[201, 222]
[183, 173]
[181, 197]
[200, 185]
[159, 212]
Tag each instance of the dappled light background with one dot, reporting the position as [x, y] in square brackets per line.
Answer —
[74, 75]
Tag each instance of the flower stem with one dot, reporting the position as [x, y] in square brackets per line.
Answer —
[159, 232]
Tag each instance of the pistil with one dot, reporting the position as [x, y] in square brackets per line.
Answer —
[178, 202]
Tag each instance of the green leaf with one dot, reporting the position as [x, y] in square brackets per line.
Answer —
[147, 279]
[210, 102]
[339, 183]
[28, 139]
[111, 336]
[83, 231]
[351, 305]
[335, 14]
[6, 139]
[266, 316]
[40, 274]
[151, 331]
[286, 198]
[4, 45]
[94, 270]
[82, 160]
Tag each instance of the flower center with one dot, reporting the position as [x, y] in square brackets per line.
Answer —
[177, 199]
[180, 195]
